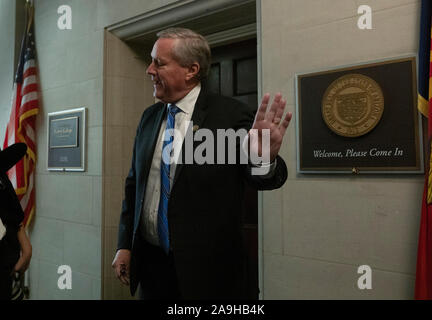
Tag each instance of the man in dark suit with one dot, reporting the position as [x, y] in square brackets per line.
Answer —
[179, 233]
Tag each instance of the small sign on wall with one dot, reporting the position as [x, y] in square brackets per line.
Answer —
[66, 140]
[360, 119]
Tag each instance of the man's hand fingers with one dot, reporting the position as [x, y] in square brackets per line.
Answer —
[121, 265]
[274, 107]
[279, 112]
[121, 271]
[124, 279]
[284, 125]
[263, 108]
[124, 274]
[121, 274]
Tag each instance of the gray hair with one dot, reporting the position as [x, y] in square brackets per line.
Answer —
[193, 48]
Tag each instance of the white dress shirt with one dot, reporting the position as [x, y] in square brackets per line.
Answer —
[152, 194]
[2, 230]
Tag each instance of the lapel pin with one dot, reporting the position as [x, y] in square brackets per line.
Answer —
[195, 128]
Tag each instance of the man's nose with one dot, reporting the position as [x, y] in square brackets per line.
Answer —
[150, 69]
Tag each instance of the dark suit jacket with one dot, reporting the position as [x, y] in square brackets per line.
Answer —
[206, 201]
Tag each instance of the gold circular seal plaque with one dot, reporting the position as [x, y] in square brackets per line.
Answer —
[352, 105]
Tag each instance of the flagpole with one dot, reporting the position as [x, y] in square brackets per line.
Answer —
[30, 15]
[30, 11]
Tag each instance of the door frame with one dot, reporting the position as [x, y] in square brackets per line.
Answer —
[187, 10]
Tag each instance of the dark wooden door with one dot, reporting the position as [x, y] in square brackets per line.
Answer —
[234, 74]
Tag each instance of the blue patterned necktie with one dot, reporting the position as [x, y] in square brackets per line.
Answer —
[165, 179]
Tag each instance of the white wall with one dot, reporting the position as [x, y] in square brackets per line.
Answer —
[68, 223]
[319, 229]
[7, 40]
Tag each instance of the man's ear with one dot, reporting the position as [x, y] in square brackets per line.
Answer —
[193, 71]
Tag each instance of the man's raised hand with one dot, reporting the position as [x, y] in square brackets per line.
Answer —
[271, 120]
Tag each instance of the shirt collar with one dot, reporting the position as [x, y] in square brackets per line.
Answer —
[187, 103]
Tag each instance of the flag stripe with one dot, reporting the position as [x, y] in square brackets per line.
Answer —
[29, 64]
[29, 72]
[29, 87]
[31, 107]
[21, 126]
[29, 80]
[29, 97]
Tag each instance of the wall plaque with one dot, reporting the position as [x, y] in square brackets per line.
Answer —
[359, 119]
[66, 140]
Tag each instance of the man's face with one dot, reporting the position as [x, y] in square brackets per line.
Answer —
[169, 78]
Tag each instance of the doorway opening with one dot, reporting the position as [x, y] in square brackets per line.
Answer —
[231, 30]
[233, 74]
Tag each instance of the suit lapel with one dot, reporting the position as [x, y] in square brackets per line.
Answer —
[198, 116]
[152, 132]
[145, 146]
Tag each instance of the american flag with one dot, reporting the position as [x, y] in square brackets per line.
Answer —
[423, 284]
[21, 126]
